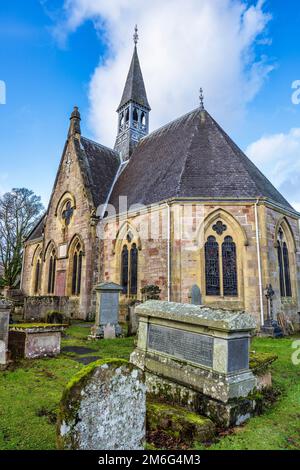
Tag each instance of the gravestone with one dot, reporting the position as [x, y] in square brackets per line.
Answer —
[195, 295]
[103, 408]
[198, 354]
[107, 313]
[133, 322]
[5, 308]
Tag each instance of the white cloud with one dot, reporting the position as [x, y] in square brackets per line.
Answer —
[183, 45]
[279, 157]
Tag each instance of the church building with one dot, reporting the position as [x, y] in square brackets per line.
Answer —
[178, 207]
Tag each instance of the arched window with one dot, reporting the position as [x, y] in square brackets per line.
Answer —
[230, 286]
[129, 267]
[51, 272]
[77, 269]
[135, 115]
[121, 125]
[212, 272]
[221, 274]
[283, 265]
[133, 269]
[37, 276]
[124, 269]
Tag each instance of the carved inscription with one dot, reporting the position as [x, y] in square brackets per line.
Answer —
[181, 344]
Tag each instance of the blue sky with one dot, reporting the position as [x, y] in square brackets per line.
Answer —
[52, 58]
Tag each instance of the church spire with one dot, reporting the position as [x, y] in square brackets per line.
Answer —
[133, 109]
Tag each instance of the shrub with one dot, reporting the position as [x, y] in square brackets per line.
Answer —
[150, 292]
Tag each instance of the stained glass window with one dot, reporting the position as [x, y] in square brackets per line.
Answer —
[51, 273]
[133, 269]
[124, 269]
[284, 265]
[288, 288]
[212, 272]
[280, 264]
[37, 276]
[230, 287]
[77, 269]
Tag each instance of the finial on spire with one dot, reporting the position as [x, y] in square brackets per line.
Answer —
[135, 36]
[201, 98]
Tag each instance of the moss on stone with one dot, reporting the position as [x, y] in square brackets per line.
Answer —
[71, 398]
[259, 362]
[179, 423]
[24, 326]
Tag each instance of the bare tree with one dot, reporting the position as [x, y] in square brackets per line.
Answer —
[20, 210]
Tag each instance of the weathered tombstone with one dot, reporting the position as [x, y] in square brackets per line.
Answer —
[5, 308]
[195, 295]
[198, 354]
[107, 313]
[103, 408]
[133, 322]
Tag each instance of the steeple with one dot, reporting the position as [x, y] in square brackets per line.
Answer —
[133, 110]
[74, 129]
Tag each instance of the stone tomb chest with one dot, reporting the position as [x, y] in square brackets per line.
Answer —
[198, 356]
[34, 340]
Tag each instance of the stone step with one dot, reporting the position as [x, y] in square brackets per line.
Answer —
[172, 426]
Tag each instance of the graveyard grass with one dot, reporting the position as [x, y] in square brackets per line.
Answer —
[31, 390]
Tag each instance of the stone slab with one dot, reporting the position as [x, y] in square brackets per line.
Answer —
[218, 319]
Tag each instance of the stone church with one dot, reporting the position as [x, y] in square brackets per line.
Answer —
[177, 207]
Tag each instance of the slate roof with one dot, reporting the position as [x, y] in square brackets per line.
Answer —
[134, 87]
[37, 231]
[191, 157]
[100, 165]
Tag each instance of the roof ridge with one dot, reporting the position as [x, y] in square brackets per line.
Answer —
[186, 157]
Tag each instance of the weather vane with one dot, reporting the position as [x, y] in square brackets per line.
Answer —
[135, 36]
[201, 98]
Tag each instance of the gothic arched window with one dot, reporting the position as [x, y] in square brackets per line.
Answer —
[37, 276]
[230, 286]
[221, 275]
[76, 269]
[212, 272]
[283, 265]
[124, 269]
[129, 267]
[51, 272]
[135, 115]
[133, 269]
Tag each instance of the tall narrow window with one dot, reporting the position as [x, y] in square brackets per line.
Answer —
[280, 265]
[51, 273]
[76, 270]
[129, 267]
[283, 265]
[124, 269]
[212, 272]
[230, 287]
[133, 269]
[37, 276]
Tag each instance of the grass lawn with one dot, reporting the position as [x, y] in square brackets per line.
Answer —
[31, 390]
